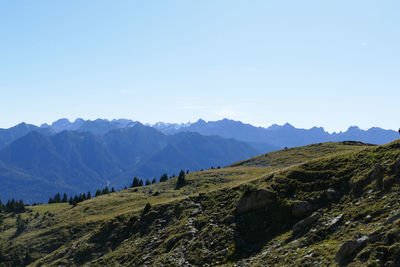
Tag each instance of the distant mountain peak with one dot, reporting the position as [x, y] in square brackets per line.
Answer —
[353, 128]
[288, 125]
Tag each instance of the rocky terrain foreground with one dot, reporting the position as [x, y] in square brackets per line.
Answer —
[331, 204]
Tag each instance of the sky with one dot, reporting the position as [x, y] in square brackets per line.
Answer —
[310, 63]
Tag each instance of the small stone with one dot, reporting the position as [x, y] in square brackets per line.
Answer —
[330, 193]
[336, 220]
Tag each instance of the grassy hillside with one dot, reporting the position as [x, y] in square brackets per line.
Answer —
[295, 155]
[247, 214]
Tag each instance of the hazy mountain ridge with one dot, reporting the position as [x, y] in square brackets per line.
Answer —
[286, 135]
[73, 161]
[265, 139]
[98, 126]
[7, 136]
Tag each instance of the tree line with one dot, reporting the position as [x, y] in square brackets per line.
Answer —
[13, 205]
[73, 200]
[18, 206]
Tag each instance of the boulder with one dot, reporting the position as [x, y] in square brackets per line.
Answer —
[255, 199]
[377, 175]
[330, 193]
[349, 247]
[302, 208]
[307, 221]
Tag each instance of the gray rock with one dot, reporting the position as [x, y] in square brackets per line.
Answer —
[302, 208]
[392, 219]
[336, 220]
[375, 236]
[377, 174]
[349, 247]
[195, 212]
[330, 193]
[255, 199]
[307, 221]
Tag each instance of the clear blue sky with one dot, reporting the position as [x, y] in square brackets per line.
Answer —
[323, 63]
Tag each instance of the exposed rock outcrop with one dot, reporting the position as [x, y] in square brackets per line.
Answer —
[307, 221]
[335, 221]
[349, 247]
[302, 208]
[255, 199]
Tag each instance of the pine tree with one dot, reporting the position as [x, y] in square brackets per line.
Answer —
[65, 198]
[163, 178]
[105, 191]
[181, 179]
[13, 205]
[51, 200]
[112, 190]
[20, 206]
[57, 198]
[154, 181]
[135, 182]
[89, 195]
[98, 193]
[147, 182]
[71, 200]
[141, 182]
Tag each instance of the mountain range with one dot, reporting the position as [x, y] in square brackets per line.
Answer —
[37, 165]
[265, 139]
[83, 155]
[279, 136]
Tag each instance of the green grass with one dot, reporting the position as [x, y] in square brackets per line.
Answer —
[296, 155]
[111, 229]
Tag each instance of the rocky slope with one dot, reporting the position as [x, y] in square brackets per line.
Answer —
[338, 208]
